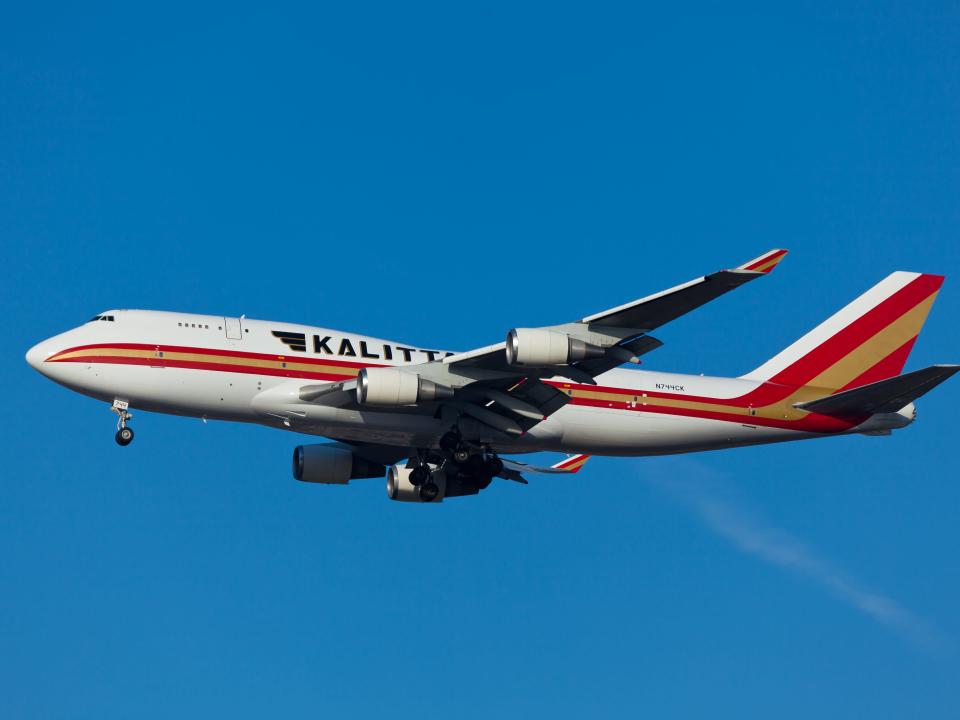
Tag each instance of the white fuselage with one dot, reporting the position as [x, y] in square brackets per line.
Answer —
[252, 371]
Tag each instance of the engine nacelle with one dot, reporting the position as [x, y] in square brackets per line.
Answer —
[537, 347]
[450, 483]
[391, 387]
[400, 488]
[883, 423]
[331, 464]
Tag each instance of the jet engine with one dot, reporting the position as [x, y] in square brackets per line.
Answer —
[392, 387]
[331, 464]
[447, 483]
[537, 347]
[400, 488]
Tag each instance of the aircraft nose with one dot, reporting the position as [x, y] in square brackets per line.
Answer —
[37, 354]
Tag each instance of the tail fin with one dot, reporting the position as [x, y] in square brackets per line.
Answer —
[869, 340]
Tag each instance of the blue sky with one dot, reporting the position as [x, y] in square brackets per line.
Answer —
[438, 175]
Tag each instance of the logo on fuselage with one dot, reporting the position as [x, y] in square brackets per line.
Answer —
[344, 347]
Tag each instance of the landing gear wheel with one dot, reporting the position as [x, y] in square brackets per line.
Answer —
[124, 434]
[461, 455]
[429, 491]
[449, 441]
[493, 466]
[475, 465]
[483, 481]
[419, 475]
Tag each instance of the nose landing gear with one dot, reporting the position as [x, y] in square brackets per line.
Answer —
[124, 434]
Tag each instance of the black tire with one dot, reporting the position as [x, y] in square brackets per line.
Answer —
[483, 481]
[493, 466]
[124, 436]
[461, 456]
[449, 441]
[429, 491]
[419, 475]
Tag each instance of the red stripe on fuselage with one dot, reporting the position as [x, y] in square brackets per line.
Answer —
[208, 351]
[810, 423]
[162, 362]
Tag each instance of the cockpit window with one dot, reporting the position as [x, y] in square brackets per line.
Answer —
[105, 318]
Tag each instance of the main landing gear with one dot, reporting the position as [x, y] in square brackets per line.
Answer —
[124, 434]
[422, 477]
[468, 469]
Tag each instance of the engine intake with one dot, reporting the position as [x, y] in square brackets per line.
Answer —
[537, 347]
[331, 465]
[391, 387]
[401, 489]
[449, 483]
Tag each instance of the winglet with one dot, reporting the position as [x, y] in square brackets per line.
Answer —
[765, 263]
[572, 464]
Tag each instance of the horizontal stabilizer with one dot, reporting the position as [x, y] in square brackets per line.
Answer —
[881, 397]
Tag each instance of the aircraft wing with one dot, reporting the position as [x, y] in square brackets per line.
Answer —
[513, 468]
[501, 386]
[631, 322]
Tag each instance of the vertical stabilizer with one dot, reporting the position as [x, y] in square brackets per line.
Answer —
[867, 341]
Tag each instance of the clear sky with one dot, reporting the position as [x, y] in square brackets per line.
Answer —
[437, 176]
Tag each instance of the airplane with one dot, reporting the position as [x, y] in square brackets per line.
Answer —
[438, 423]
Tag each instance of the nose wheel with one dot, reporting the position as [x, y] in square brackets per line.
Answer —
[124, 434]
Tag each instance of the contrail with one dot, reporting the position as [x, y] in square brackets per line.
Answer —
[751, 534]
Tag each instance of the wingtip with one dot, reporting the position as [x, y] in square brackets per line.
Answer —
[766, 262]
[572, 464]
